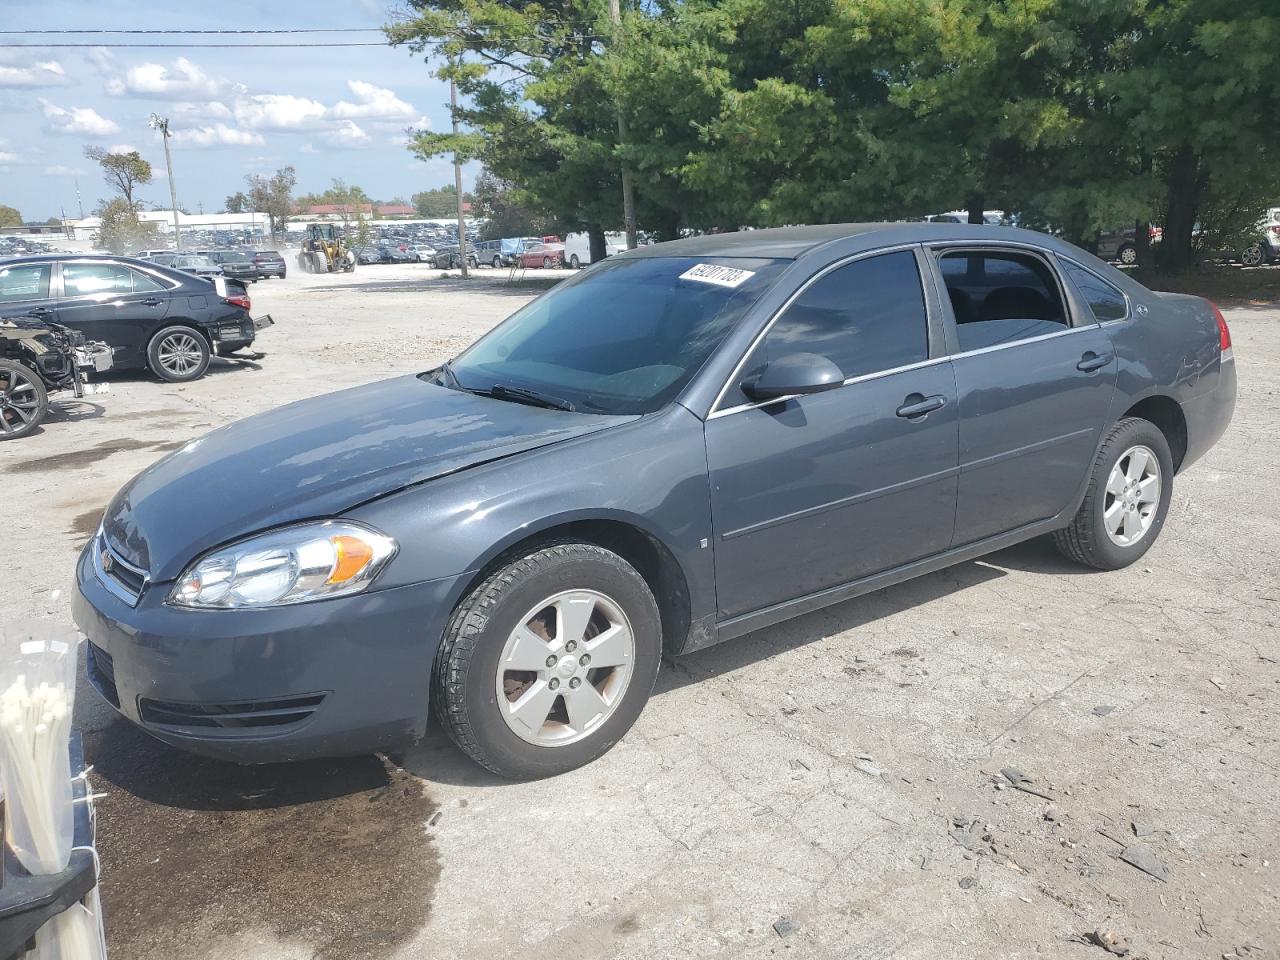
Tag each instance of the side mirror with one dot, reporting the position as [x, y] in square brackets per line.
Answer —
[794, 374]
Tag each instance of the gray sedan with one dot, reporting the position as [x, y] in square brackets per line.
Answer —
[673, 448]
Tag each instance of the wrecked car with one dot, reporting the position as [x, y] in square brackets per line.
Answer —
[675, 447]
[38, 358]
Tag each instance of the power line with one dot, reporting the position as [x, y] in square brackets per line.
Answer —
[194, 46]
[204, 32]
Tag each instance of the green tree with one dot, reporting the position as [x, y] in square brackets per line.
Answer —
[273, 196]
[237, 202]
[337, 193]
[10, 217]
[121, 231]
[123, 172]
[438, 202]
[505, 216]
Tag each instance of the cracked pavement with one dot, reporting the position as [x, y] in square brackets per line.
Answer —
[841, 771]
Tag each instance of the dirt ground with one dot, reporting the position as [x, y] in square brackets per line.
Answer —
[831, 787]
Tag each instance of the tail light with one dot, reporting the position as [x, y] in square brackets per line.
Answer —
[242, 300]
[1275, 228]
[1224, 334]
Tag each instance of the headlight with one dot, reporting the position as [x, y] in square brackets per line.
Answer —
[311, 561]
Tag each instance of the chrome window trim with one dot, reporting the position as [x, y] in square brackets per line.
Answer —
[1128, 303]
[861, 378]
[1065, 332]
[717, 410]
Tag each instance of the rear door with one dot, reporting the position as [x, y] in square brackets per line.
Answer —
[115, 303]
[26, 289]
[815, 491]
[1035, 378]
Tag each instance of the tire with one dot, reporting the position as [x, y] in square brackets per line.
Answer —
[575, 262]
[24, 402]
[1087, 539]
[497, 263]
[546, 263]
[1253, 255]
[473, 263]
[178, 354]
[466, 676]
[1127, 254]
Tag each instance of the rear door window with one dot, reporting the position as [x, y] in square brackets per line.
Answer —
[866, 317]
[24, 281]
[96, 279]
[1106, 302]
[1001, 297]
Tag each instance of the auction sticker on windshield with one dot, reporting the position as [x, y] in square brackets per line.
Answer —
[720, 276]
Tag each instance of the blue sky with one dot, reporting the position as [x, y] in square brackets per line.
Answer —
[336, 112]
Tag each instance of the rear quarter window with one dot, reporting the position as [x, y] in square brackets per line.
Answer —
[1105, 301]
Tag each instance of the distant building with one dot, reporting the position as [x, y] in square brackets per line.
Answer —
[252, 222]
[348, 211]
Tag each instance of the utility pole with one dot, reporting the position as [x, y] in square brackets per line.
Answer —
[457, 182]
[628, 195]
[162, 124]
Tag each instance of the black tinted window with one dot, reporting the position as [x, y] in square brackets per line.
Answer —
[26, 281]
[865, 317]
[1001, 298]
[1106, 302]
[95, 279]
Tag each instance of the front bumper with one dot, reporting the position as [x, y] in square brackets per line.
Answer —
[331, 678]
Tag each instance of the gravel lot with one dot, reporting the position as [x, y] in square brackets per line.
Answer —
[828, 788]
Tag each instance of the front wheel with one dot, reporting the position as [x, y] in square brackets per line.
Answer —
[1127, 501]
[178, 354]
[497, 263]
[1128, 255]
[549, 661]
[575, 262]
[23, 400]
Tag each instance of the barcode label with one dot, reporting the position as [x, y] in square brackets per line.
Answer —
[720, 276]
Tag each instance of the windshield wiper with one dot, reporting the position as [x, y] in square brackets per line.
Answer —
[531, 397]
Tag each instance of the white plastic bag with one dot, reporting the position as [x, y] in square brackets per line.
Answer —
[37, 693]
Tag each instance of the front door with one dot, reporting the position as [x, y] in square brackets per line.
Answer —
[25, 290]
[110, 302]
[1035, 385]
[820, 490]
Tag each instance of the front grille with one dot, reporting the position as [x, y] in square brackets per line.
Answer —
[118, 575]
[230, 716]
[102, 674]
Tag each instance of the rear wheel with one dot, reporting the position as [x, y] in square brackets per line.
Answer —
[548, 662]
[178, 354]
[23, 400]
[1127, 501]
[497, 263]
[575, 262]
[546, 263]
[1128, 255]
[1253, 255]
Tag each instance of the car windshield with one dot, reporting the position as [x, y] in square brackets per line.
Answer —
[622, 338]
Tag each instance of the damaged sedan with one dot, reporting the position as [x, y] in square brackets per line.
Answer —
[680, 445]
[37, 359]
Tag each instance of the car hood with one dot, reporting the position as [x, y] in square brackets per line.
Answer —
[316, 458]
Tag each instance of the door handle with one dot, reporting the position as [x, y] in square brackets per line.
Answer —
[916, 405]
[40, 312]
[1093, 361]
[150, 302]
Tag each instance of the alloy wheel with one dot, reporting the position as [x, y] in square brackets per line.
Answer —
[19, 401]
[1132, 497]
[565, 668]
[180, 354]
[1128, 256]
[1251, 256]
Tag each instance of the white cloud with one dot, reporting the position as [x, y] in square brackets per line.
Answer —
[62, 170]
[206, 112]
[6, 157]
[182, 80]
[308, 148]
[44, 73]
[279, 111]
[77, 120]
[217, 135]
[372, 103]
[348, 136]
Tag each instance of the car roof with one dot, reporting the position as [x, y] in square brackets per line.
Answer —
[789, 243]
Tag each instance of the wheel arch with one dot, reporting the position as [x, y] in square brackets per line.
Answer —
[622, 534]
[1168, 417]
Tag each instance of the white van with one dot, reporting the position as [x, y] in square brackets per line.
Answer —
[577, 247]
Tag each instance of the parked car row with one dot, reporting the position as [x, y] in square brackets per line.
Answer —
[146, 315]
[247, 266]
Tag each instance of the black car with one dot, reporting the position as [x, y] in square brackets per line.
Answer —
[236, 265]
[152, 317]
[269, 264]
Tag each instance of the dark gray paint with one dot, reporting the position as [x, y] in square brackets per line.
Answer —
[764, 512]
